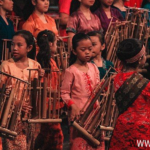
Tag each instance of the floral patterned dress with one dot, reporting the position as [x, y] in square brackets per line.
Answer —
[134, 123]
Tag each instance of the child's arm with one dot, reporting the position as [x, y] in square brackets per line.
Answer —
[66, 90]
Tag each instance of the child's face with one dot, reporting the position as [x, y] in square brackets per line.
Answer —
[84, 50]
[53, 46]
[87, 2]
[19, 47]
[7, 4]
[107, 2]
[97, 47]
[41, 5]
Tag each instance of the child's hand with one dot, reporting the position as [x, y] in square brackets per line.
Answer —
[26, 108]
[41, 72]
[75, 112]
[8, 89]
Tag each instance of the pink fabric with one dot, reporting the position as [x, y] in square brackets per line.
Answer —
[77, 85]
[78, 23]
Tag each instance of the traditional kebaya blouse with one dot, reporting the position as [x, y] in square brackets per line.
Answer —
[78, 23]
[34, 24]
[105, 20]
[9, 67]
[77, 86]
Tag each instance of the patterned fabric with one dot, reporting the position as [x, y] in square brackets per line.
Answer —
[78, 142]
[105, 20]
[35, 25]
[25, 138]
[129, 91]
[78, 23]
[134, 123]
[50, 137]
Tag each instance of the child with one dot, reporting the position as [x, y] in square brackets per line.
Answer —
[119, 4]
[82, 20]
[133, 121]
[22, 44]
[98, 42]
[38, 20]
[6, 25]
[79, 81]
[106, 12]
[51, 134]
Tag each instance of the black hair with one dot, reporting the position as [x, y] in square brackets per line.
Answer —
[144, 3]
[101, 37]
[127, 49]
[44, 55]
[75, 4]
[75, 40]
[29, 40]
[99, 34]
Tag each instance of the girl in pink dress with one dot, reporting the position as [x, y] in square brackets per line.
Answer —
[79, 81]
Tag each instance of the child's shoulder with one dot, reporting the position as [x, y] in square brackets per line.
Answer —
[7, 62]
[34, 64]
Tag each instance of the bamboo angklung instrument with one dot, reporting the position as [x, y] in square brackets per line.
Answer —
[92, 121]
[11, 105]
[6, 54]
[62, 55]
[135, 26]
[44, 99]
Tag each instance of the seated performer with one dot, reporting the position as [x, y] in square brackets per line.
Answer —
[105, 12]
[79, 81]
[38, 20]
[6, 25]
[18, 65]
[98, 42]
[132, 98]
[82, 20]
[51, 136]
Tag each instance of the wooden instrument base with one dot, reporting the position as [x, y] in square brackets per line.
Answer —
[44, 120]
[86, 134]
[7, 133]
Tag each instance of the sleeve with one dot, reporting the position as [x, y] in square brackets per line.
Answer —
[4, 68]
[29, 26]
[97, 74]
[67, 87]
[72, 24]
[37, 65]
[64, 6]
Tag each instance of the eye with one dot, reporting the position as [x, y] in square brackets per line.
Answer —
[83, 49]
[19, 44]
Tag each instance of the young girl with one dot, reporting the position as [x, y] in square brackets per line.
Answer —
[82, 20]
[79, 81]
[106, 12]
[119, 4]
[51, 133]
[98, 42]
[18, 65]
[6, 25]
[38, 20]
[134, 120]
